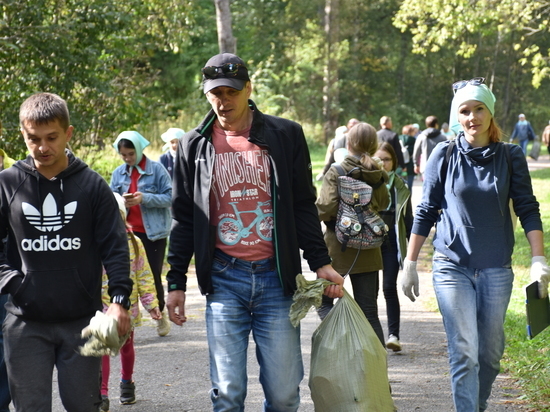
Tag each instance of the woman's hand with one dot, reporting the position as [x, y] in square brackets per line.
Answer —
[135, 200]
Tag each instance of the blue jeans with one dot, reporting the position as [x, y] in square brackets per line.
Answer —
[5, 397]
[473, 304]
[410, 180]
[523, 145]
[248, 296]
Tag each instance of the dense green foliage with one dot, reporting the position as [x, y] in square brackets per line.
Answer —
[136, 64]
[527, 360]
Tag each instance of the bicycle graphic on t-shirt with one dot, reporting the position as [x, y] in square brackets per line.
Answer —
[232, 230]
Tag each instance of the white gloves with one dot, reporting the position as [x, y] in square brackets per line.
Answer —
[540, 272]
[409, 280]
[103, 336]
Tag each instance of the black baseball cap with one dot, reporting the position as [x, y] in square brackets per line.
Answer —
[224, 69]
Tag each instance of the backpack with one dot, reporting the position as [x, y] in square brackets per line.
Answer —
[357, 225]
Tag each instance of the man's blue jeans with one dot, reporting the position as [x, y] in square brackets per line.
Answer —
[248, 296]
[473, 304]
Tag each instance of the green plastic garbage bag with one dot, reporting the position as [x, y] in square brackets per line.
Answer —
[348, 371]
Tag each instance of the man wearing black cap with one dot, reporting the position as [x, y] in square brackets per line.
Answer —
[244, 204]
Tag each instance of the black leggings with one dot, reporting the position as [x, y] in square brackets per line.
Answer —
[155, 255]
[389, 282]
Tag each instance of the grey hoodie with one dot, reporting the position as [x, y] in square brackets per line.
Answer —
[425, 143]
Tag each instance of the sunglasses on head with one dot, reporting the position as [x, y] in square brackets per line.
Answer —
[476, 81]
[227, 69]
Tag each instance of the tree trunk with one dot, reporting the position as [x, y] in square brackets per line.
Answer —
[330, 88]
[226, 42]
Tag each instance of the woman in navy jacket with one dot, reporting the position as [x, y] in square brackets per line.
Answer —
[467, 192]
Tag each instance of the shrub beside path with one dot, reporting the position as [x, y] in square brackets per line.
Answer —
[171, 372]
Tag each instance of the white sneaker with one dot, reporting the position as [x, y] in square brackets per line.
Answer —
[163, 325]
[393, 344]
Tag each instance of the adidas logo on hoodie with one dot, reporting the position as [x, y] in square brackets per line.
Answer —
[50, 220]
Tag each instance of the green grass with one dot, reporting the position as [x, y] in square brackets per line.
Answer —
[526, 360]
[107, 160]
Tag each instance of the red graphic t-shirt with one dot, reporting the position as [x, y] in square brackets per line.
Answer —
[240, 196]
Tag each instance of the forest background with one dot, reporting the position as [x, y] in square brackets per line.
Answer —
[136, 64]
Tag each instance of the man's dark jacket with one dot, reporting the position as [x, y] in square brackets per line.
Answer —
[296, 223]
[387, 135]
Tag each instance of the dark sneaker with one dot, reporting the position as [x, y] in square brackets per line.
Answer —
[104, 403]
[127, 393]
[326, 305]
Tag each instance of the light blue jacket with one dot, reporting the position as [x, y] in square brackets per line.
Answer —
[156, 186]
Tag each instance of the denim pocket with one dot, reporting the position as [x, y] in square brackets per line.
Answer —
[219, 265]
[441, 257]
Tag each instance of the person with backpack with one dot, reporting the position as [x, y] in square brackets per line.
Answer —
[466, 194]
[399, 217]
[362, 265]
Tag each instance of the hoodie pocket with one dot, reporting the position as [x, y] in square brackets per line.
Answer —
[481, 246]
[53, 296]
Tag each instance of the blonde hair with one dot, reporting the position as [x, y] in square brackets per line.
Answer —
[363, 142]
[495, 133]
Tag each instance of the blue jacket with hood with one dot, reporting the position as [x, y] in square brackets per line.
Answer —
[468, 200]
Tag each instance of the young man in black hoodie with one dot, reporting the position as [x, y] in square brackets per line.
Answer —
[61, 224]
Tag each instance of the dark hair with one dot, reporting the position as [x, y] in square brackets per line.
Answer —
[127, 144]
[387, 147]
[44, 108]
[431, 121]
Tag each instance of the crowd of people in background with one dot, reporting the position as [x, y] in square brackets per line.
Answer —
[236, 193]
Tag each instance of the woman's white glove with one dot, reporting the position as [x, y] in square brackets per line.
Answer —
[540, 272]
[409, 280]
